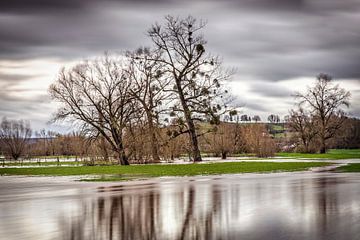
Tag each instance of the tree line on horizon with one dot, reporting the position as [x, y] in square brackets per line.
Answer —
[228, 139]
[171, 99]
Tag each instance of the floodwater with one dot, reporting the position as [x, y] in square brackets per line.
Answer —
[301, 205]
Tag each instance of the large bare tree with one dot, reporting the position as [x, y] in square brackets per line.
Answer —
[324, 100]
[96, 93]
[196, 76]
[14, 136]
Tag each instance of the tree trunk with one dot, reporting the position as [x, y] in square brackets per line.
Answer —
[195, 151]
[153, 142]
[223, 155]
[322, 138]
[323, 146]
[306, 145]
[154, 149]
[103, 149]
[123, 160]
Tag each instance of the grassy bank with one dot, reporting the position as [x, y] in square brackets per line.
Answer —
[54, 163]
[165, 170]
[353, 167]
[331, 154]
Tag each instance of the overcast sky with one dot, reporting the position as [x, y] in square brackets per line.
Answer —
[276, 46]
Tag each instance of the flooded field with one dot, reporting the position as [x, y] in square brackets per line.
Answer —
[306, 205]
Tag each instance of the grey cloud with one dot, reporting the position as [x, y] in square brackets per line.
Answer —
[35, 109]
[265, 89]
[253, 104]
[264, 39]
[9, 96]
[78, 35]
[256, 106]
[281, 46]
[65, 6]
[4, 77]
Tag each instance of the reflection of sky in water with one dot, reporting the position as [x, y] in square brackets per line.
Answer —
[282, 206]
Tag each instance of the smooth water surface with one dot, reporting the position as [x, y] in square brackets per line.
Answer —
[278, 206]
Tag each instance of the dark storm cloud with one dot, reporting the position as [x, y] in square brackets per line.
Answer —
[268, 39]
[36, 6]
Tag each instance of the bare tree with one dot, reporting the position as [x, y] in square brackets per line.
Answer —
[196, 76]
[96, 93]
[324, 100]
[45, 142]
[14, 136]
[258, 140]
[224, 139]
[245, 118]
[272, 118]
[148, 89]
[303, 124]
[256, 118]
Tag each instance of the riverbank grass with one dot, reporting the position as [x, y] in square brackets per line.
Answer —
[331, 154]
[352, 167]
[153, 170]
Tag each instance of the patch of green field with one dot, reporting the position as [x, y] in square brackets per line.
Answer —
[252, 155]
[353, 167]
[153, 170]
[279, 135]
[109, 178]
[277, 127]
[52, 163]
[331, 154]
[53, 157]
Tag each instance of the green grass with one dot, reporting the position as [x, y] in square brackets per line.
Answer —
[109, 178]
[252, 155]
[353, 167]
[153, 170]
[331, 154]
[277, 127]
[42, 163]
[279, 135]
[53, 157]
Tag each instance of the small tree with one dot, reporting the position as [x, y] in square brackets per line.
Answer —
[258, 140]
[223, 140]
[272, 118]
[303, 124]
[45, 142]
[244, 118]
[324, 100]
[14, 136]
[256, 118]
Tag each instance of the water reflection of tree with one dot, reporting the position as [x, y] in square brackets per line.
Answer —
[313, 210]
[197, 224]
[115, 217]
[319, 198]
[327, 204]
[138, 216]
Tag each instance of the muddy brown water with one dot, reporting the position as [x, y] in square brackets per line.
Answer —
[302, 205]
